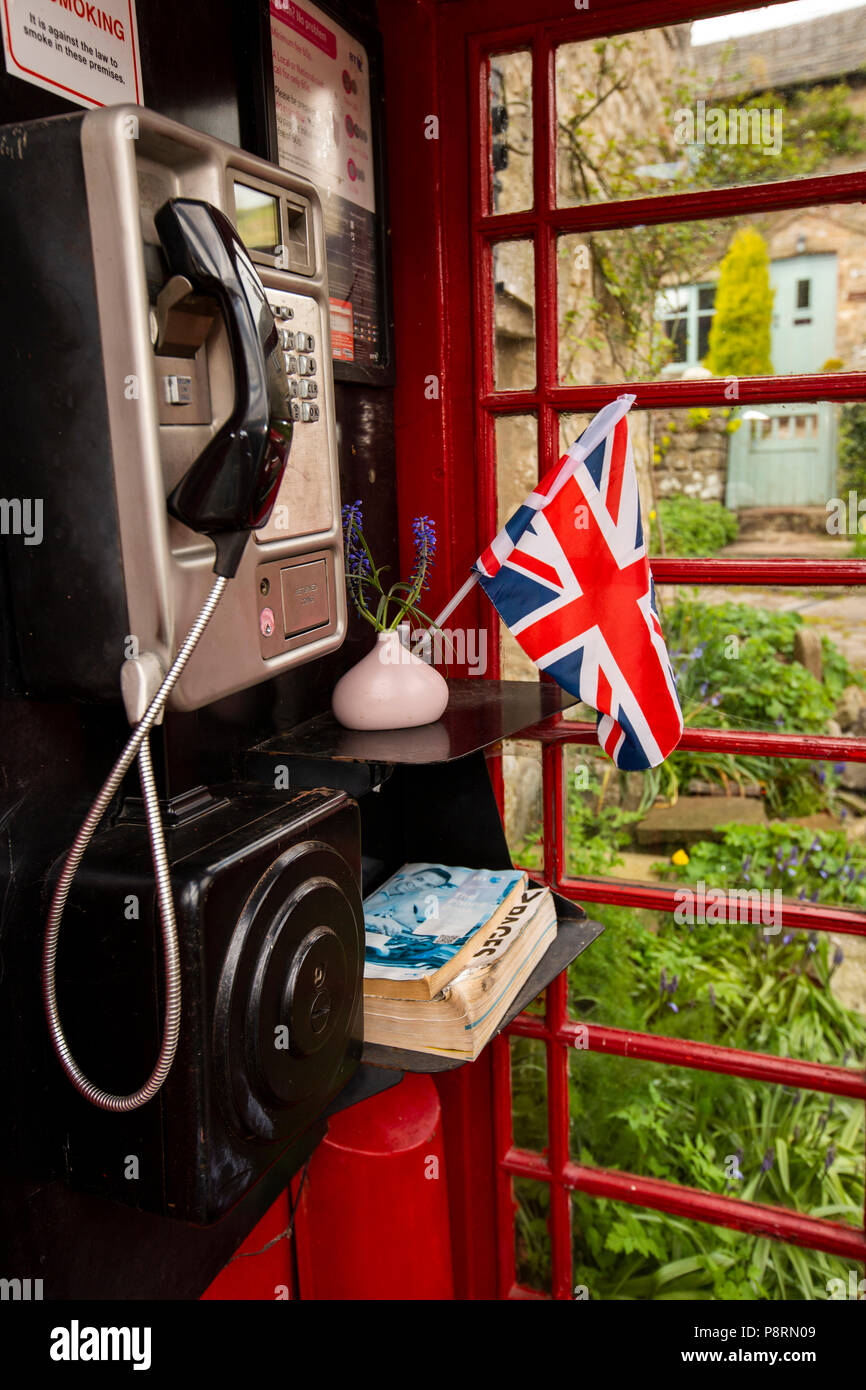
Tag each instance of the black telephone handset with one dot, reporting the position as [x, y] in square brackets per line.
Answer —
[231, 488]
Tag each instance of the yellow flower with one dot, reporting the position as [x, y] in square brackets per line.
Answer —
[653, 515]
[680, 858]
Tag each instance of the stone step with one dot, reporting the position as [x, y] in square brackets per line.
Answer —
[693, 818]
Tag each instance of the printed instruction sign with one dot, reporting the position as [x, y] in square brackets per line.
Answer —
[322, 93]
[85, 52]
[324, 132]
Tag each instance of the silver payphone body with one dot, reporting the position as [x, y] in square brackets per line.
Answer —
[167, 382]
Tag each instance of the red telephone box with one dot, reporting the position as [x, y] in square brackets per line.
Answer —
[461, 369]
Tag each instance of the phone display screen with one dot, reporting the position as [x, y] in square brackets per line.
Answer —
[258, 218]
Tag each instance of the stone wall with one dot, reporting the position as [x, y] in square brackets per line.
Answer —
[690, 455]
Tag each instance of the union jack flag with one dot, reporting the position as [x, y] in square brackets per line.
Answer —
[570, 577]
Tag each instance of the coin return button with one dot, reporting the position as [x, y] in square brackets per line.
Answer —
[305, 596]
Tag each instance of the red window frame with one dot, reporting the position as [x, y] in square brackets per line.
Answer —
[447, 468]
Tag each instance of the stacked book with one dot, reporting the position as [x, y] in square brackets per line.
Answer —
[448, 950]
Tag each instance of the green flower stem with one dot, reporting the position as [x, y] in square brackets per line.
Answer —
[415, 590]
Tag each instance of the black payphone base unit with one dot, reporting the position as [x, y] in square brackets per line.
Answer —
[270, 923]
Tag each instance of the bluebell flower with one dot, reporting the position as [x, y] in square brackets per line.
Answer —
[355, 558]
[768, 1160]
[424, 532]
[829, 1158]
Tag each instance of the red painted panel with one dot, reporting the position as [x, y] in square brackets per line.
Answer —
[375, 1204]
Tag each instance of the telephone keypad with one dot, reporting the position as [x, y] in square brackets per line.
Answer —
[297, 346]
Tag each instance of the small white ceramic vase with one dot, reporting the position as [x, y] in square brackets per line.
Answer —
[390, 688]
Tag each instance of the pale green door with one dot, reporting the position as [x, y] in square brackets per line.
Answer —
[782, 456]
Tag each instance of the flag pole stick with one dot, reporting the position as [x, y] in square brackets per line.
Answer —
[455, 601]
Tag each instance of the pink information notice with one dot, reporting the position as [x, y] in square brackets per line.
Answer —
[322, 94]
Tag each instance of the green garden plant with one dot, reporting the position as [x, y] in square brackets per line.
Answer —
[740, 332]
[693, 527]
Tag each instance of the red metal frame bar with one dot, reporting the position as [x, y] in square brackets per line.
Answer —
[698, 1056]
[654, 898]
[813, 1232]
[816, 747]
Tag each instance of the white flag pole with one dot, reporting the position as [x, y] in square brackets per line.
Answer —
[597, 430]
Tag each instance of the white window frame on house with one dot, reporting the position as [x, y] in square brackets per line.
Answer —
[683, 302]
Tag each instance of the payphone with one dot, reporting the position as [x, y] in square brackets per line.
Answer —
[131, 378]
[167, 333]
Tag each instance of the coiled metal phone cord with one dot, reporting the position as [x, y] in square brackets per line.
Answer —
[138, 745]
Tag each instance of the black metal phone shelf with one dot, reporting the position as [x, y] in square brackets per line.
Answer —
[425, 794]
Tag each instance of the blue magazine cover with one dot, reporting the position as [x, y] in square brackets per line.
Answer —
[424, 914]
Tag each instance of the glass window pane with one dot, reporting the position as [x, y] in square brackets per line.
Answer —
[510, 124]
[769, 480]
[514, 315]
[529, 1093]
[521, 772]
[626, 1252]
[724, 1134]
[721, 298]
[532, 1245]
[721, 967]
[710, 104]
